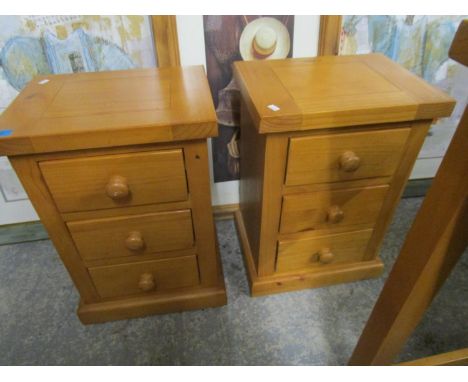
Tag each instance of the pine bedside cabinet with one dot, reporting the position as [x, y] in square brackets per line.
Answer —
[326, 147]
[116, 166]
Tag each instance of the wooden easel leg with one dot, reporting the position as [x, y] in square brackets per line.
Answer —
[437, 238]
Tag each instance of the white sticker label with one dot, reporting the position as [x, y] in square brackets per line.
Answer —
[42, 82]
[273, 107]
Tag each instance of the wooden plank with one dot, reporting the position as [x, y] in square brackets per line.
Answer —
[31, 178]
[135, 235]
[121, 211]
[108, 109]
[337, 274]
[145, 277]
[141, 257]
[422, 265]
[252, 167]
[358, 183]
[272, 92]
[275, 168]
[397, 183]
[453, 358]
[157, 303]
[166, 43]
[345, 156]
[280, 283]
[320, 252]
[23, 112]
[335, 91]
[329, 210]
[198, 178]
[432, 102]
[119, 180]
[458, 50]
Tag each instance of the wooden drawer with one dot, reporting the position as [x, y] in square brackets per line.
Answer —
[331, 209]
[323, 250]
[132, 235]
[145, 277]
[108, 181]
[340, 157]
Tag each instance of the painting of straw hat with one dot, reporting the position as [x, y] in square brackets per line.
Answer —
[232, 38]
[264, 38]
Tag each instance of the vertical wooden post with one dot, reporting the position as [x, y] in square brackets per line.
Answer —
[329, 36]
[432, 247]
[166, 41]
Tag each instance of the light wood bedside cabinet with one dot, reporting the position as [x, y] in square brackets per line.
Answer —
[326, 147]
[116, 166]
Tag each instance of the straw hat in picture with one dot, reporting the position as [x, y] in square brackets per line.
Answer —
[264, 38]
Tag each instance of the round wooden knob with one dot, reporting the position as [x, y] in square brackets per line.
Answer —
[146, 282]
[117, 188]
[335, 214]
[326, 256]
[349, 161]
[134, 241]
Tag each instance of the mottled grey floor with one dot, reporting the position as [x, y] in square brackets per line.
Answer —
[38, 324]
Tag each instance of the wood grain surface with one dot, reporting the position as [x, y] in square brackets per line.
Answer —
[334, 91]
[79, 184]
[108, 109]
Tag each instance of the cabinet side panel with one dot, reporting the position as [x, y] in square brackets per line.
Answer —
[252, 157]
[276, 156]
[196, 162]
[28, 171]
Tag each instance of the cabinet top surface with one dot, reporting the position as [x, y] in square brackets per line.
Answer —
[334, 91]
[90, 110]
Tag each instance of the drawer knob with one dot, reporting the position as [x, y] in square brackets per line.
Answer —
[117, 188]
[325, 256]
[134, 241]
[146, 282]
[335, 214]
[349, 161]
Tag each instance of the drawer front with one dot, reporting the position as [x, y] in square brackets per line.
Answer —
[349, 156]
[145, 277]
[331, 209]
[132, 235]
[83, 184]
[321, 251]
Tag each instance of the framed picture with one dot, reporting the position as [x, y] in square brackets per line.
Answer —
[228, 39]
[38, 45]
[420, 44]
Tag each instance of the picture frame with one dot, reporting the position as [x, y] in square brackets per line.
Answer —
[166, 44]
[329, 35]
